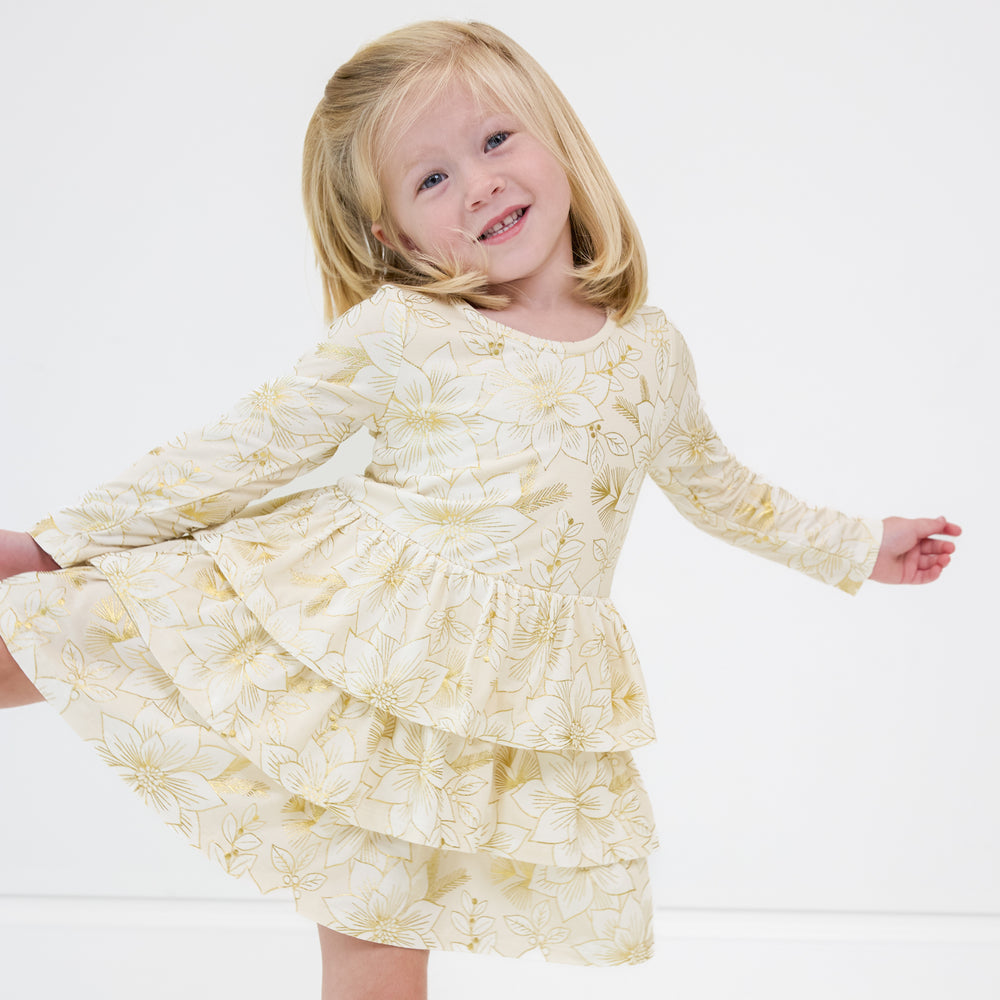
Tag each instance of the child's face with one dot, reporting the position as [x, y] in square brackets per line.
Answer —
[473, 184]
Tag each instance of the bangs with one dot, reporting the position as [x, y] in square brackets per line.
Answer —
[496, 84]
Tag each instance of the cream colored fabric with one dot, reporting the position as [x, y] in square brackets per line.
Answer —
[408, 698]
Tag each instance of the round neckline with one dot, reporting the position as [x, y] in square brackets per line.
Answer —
[581, 346]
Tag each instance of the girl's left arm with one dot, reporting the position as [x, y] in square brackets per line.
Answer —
[725, 498]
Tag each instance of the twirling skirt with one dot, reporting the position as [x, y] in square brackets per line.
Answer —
[319, 781]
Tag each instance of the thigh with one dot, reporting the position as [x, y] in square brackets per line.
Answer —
[355, 969]
[15, 688]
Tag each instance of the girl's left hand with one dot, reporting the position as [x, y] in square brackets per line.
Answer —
[909, 554]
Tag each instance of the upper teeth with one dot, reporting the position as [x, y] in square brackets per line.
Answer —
[503, 223]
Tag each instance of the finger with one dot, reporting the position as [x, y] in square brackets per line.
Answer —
[927, 561]
[927, 575]
[931, 546]
[946, 527]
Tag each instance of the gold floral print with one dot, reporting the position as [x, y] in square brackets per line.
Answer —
[406, 701]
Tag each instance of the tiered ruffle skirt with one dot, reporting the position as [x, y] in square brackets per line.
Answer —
[421, 754]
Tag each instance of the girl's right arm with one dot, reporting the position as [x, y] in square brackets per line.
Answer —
[276, 432]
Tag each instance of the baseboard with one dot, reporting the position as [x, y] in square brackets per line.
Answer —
[670, 924]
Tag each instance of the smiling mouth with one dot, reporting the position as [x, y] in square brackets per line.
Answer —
[504, 224]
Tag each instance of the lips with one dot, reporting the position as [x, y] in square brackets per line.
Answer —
[503, 223]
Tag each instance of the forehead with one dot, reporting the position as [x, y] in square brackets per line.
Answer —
[427, 121]
[485, 83]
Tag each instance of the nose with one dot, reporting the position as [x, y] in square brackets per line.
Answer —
[484, 185]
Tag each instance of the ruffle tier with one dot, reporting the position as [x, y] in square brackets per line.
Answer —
[336, 771]
[428, 639]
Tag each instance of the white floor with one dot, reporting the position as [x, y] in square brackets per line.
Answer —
[153, 952]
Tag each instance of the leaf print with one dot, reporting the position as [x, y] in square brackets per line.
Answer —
[605, 492]
[323, 587]
[474, 924]
[617, 444]
[440, 885]
[290, 867]
[513, 768]
[416, 308]
[627, 409]
[449, 628]
[110, 626]
[537, 928]
[561, 553]
[530, 503]
[615, 360]
[348, 360]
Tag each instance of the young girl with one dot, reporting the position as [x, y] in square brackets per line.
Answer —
[408, 698]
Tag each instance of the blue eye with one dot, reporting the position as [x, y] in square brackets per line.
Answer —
[497, 139]
[431, 180]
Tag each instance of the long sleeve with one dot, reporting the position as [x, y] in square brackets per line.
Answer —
[721, 496]
[274, 433]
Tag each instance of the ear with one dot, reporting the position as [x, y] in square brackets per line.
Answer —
[405, 243]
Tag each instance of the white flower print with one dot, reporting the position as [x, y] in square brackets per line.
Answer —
[552, 400]
[472, 526]
[237, 664]
[574, 811]
[174, 479]
[164, 763]
[389, 574]
[415, 771]
[622, 938]
[433, 420]
[541, 642]
[279, 412]
[388, 915]
[573, 718]
[322, 775]
[578, 890]
[393, 678]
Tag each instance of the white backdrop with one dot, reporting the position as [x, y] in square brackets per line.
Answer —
[816, 184]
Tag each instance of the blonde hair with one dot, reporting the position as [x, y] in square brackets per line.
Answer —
[383, 88]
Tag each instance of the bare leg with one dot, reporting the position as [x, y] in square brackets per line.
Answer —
[15, 688]
[364, 970]
[19, 553]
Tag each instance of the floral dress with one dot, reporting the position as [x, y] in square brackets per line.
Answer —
[407, 698]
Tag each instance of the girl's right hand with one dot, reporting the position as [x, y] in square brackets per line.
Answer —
[20, 553]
